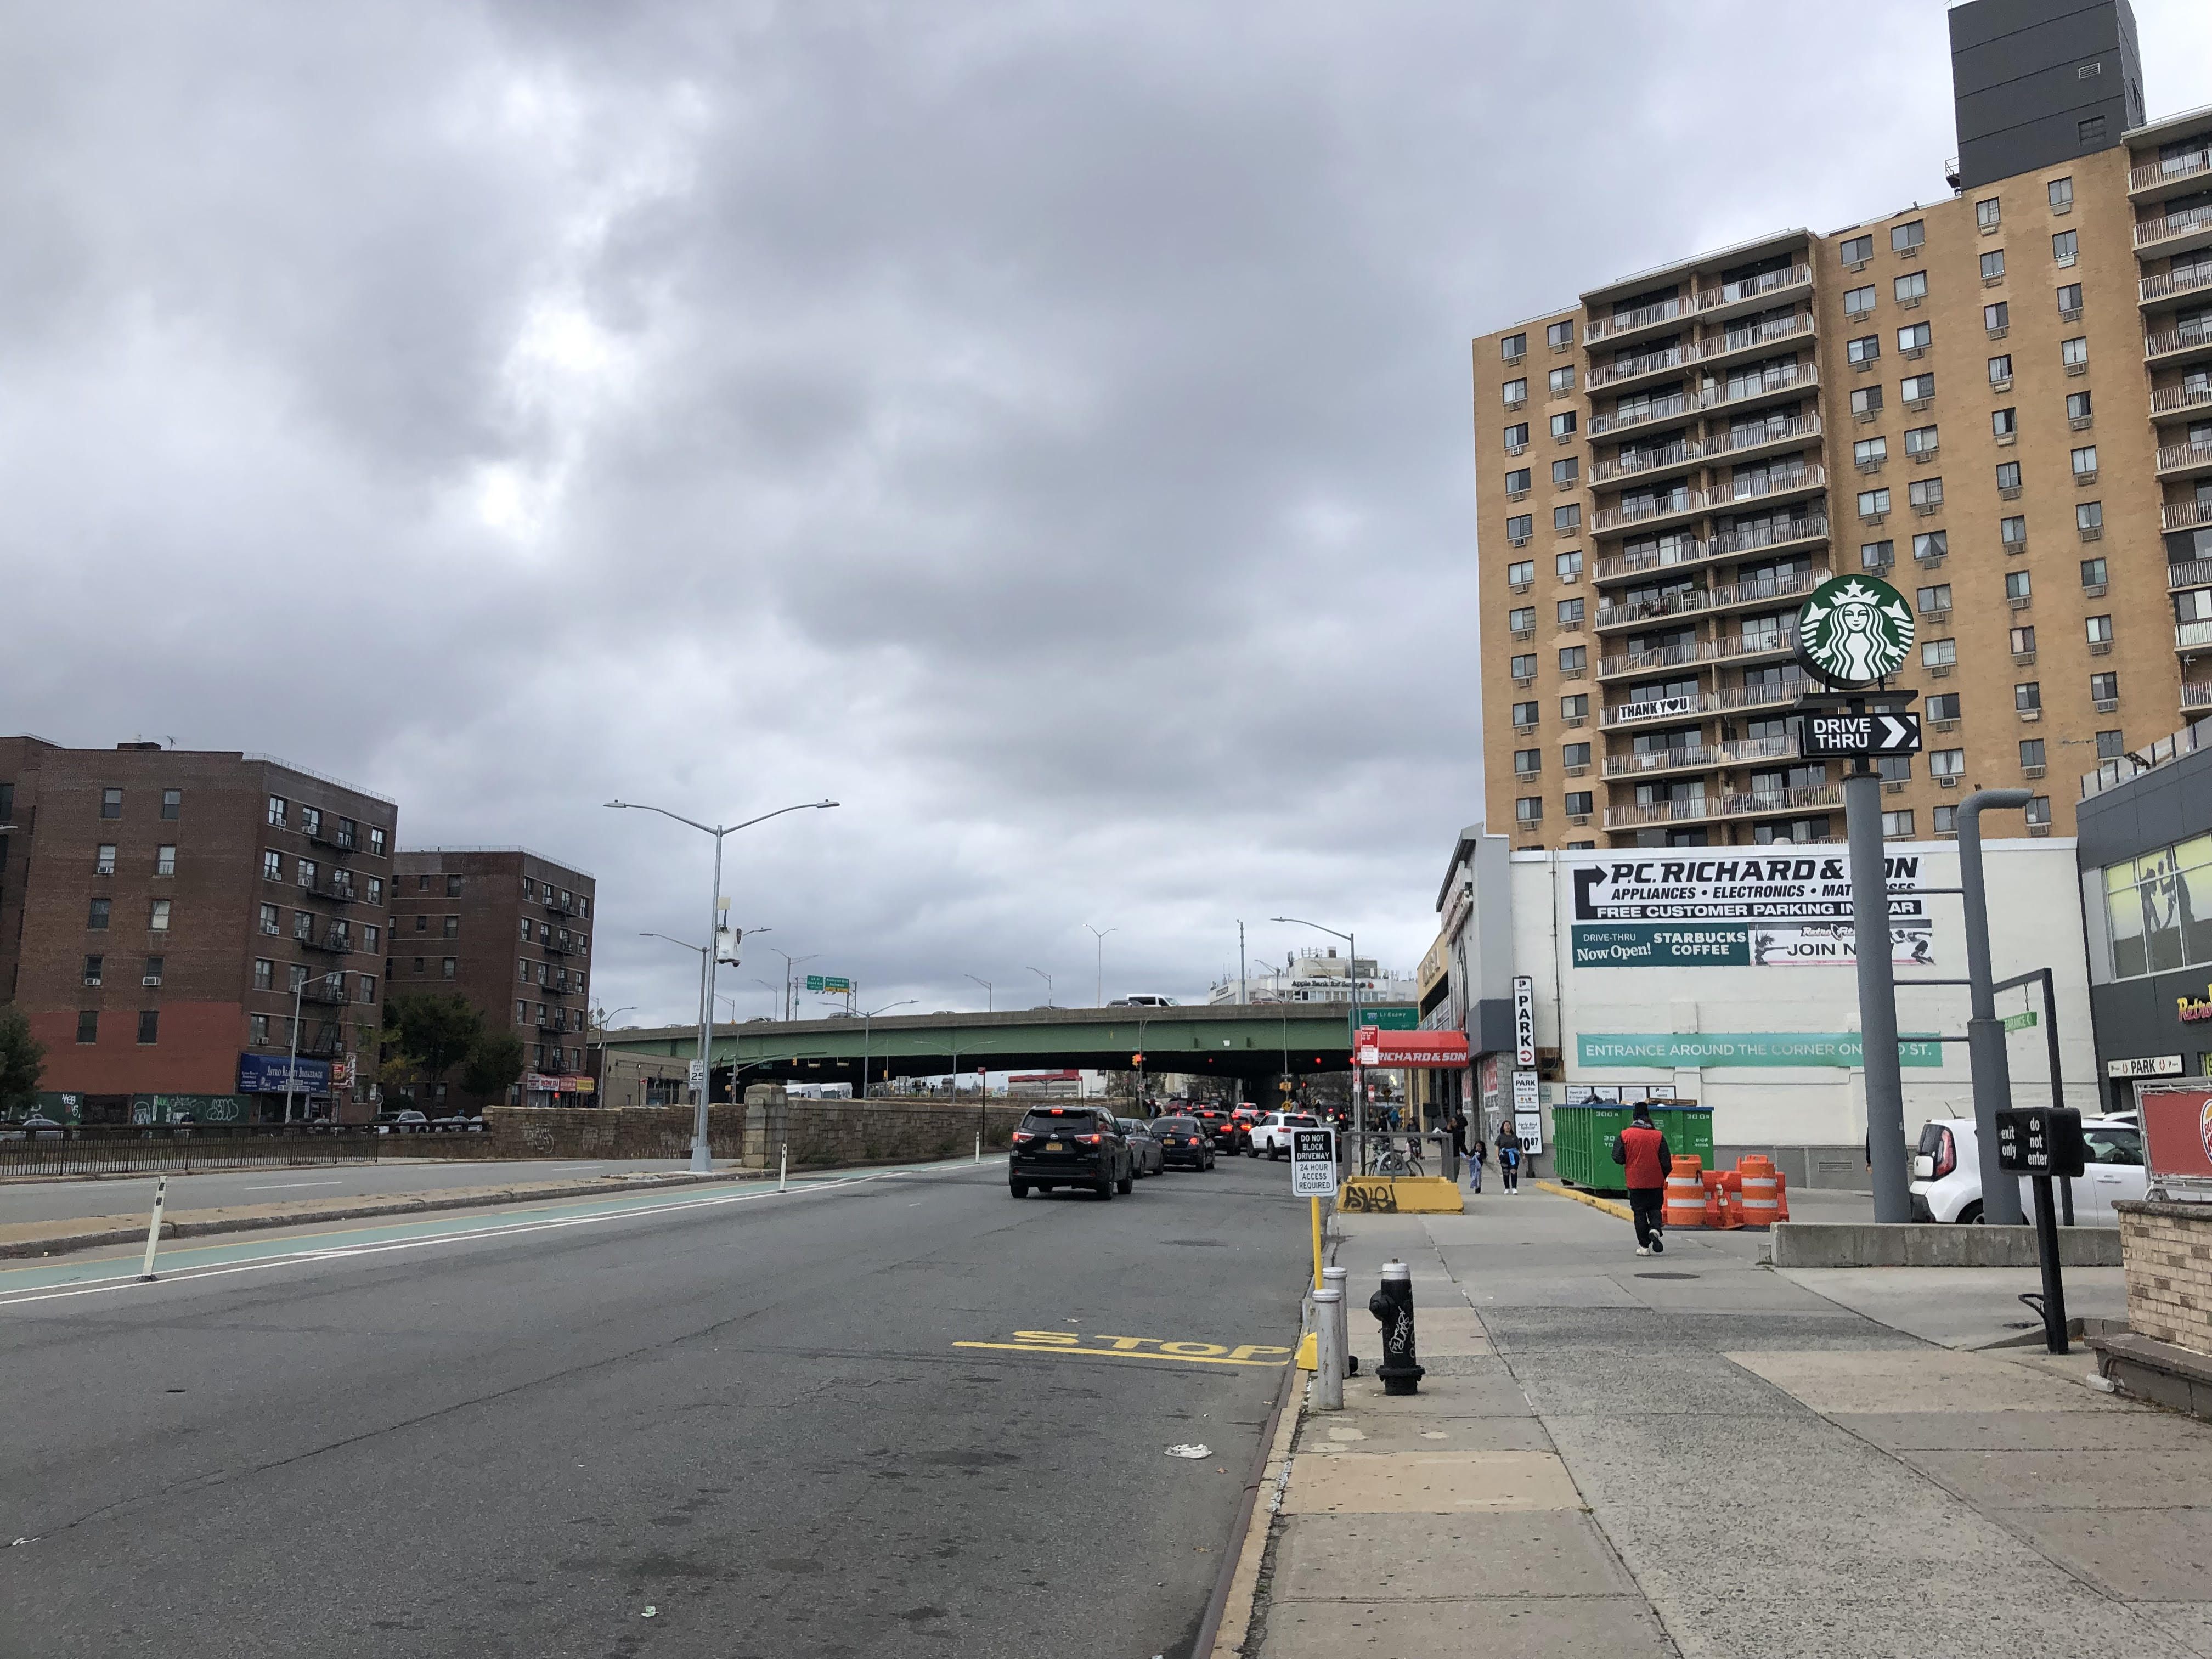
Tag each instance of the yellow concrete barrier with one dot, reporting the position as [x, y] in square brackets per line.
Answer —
[1399, 1195]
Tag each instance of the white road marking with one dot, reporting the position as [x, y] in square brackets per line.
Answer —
[279, 1186]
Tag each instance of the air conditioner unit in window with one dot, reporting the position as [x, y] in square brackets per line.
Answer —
[2106, 705]
[1913, 354]
[2093, 591]
[1579, 720]
[2080, 422]
[2007, 439]
[1577, 771]
[1999, 333]
[1577, 820]
[1919, 403]
[1522, 731]
[151, 979]
[1572, 577]
[2005, 384]
[1912, 304]
[2039, 829]
[1516, 495]
[1859, 264]
[2070, 314]
[1942, 726]
[2030, 771]
[2077, 368]
[2019, 601]
[2030, 714]
[1523, 587]
[1522, 685]
[1516, 449]
[2020, 546]
[2100, 647]
[1524, 633]
[1927, 454]
[1939, 672]
[1936, 618]
[1516, 541]
[2009, 493]
[1892, 789]
[1571, 674]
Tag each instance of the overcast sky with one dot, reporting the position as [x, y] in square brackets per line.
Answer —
[1043, 428]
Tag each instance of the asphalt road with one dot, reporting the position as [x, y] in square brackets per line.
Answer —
[63, 1198]
[747, 1413]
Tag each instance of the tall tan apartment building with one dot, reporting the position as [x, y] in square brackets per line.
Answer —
[2000, 402]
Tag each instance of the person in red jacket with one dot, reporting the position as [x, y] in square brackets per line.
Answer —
[1643, 1152]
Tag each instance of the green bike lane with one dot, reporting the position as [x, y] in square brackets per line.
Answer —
[119, 1269]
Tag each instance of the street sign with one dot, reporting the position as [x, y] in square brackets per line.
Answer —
[695, 1074]
[1524, 1021]
[1854, 630]
[1408, 1018]
[2041, 1140]
[1313, 1162]
[1862, 735]
[2022, 1021]
[829, 983]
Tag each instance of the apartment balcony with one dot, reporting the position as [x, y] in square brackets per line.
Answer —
[333, 942]
[2169, 285]
[2172, 402]
[1698, 650]
[323, 988]
[1654, 711]
[1780, 484]
[2192, 635]
[1807, 532]
[2176, 233]
[562, 946]
[1733, 697]
[1672, 407]
[1753, 294]
[2178, 175]
[2188, 573]
[329, 892]
[1750, 389]
[1683, 452]
[2196, 694]
[1792, 433]
[553, 1019]
[1627, 567]
[1694, 757]
[555, 1062]
[333, 836]
[2185, 460]
[1735, 342]
[2185, 515]
[1642, 320]
[561, 906]
[1638, 368]
[2171, 346]
[1745, 804]
[327, 1043]
[1676, 507]
[1721, 597]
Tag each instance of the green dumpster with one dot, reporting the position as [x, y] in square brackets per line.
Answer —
[1582, 1138]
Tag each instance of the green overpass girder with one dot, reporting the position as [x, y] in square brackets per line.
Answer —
[1226, 1041]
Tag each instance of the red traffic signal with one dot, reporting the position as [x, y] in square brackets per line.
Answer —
[1136, 1059]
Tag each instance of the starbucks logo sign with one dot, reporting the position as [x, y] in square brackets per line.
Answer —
[1854, 630]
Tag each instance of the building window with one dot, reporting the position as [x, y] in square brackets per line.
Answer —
[376, 841]
[452, 927]
[1925, 492]
[2004, 422]
[1574, 754]
[1937, 597]
[2092, 573]
[376, 890]
[1877, 555]
[1867, 400]
[1858, 250]
[1520, 527]
[422, 921]
[256, 1030]
[1559, 335]
[2088, 516]
[1573, 659]
[2110, 745]
[2001, 370]
[1513, 347]
[87, 1025]
[1896, 824]
[525, 924]
[1920, 440]
[265, 973]
[1566, 519]
[2085, 461]
[521, 969]
[111, 803]
[1894, 768]
[1987, 213]
[1997, 319]
[2027, 695]
[2090, 131]
[271, 920]
[2069, 302]
[1915, 387]
[584, 901]
[1517, 392]
[348, 832]
[1519, 480]
[1524, 714]
[1931, 544]
[1575, 707]
[1866, 348]
[165, 860]
[1529, 809]
[1527, 762]
[157, 919]
[1563, 426]
[1944, 707]
[1858, 301]
[150, 1025]
[452, 887]
[311, 820]
[1570, 613]
[272, 865]
[368, 987]
[2023, 643]
[2065, 245]
[1524, 665]
[2017, 585]
[2013, 532]
[1910, 235]
[1938, 653]
[1915, 336]
[1873, 503]
[1561, 382]
[96, 919]
[2074, 351]
[151, 973]
[172, 804]
[103, 861]
[2038, 811]
[2062, 192]
[279, 812]
[2105, 688]
[1948, 762]
[1519, 572]
[1566, 471]
[1870, 451]
[1913, 285]
[2100, 630]
[2077, 406]
[1993, 265]
[1569, 565]
[1578, 803]
[2009, 475]
[303, 925]
[93, 967]
[1517, 436]
[1947, 820]
[2031, 752]
[372, 938]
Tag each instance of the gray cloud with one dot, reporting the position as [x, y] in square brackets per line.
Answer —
[1044, 429]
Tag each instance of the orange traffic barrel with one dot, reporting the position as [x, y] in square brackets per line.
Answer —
[1761, 1195]
[1781, 1195]
[1685, 1194]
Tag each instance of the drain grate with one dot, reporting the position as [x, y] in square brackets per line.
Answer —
[1670, 1275]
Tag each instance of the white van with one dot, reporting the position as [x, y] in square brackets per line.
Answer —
[1142, 999]
[1946, 1172]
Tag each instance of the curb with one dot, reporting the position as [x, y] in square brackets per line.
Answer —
[399, 1204]
[1242, 1595]
[1608, 1205]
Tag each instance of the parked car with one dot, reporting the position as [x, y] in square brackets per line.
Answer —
[1214, 1124]
[1271, 1135]
[1183, 1143]
[1241, 1119]
[459, 1123]
[35, 1127]
[1070, 1146]
[1144, 1150]
[405, 1122]
[1946, 1172]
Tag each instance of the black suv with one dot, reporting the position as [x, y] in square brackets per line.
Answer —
[1070, 1146]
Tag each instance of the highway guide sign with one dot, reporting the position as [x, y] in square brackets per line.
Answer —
[1854, 630]
[1862, 735]
[1313, 1162]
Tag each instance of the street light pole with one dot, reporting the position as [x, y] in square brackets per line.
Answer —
[790, 966]
[1358, 1092]
[1047, 978]
[990, 995]
[1099, 1000]
[702, 1161]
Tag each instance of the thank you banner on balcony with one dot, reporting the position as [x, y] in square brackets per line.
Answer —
[1703, 1049]
[265, 1074]
[1755, 910]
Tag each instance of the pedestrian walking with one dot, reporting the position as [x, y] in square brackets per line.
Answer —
[1642, 1151]
[1475, 1153]
[1508, 1156]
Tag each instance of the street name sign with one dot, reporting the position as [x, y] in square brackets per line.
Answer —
[2022, 1021]
[829, 983]
[1862, 735]
[1313, 1162]
[1853, 631]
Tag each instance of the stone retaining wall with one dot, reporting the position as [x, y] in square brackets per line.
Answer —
[2166, 1249]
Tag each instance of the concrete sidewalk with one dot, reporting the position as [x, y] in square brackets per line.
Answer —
[1693, 1454]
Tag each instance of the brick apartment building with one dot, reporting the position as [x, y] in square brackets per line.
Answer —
[510, 931]
[2000, 401]
[163, 912]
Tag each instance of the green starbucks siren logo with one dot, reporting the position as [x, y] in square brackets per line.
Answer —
[1854, 630]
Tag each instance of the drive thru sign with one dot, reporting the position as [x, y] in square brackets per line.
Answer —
[1313, 1162]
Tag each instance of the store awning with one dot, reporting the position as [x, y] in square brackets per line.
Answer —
[1409, 1048]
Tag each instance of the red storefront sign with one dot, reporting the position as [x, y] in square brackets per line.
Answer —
[2177, 1133]
[1433, 1050]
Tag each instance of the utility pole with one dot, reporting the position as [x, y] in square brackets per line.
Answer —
[1098, 1000]
[1242, 996]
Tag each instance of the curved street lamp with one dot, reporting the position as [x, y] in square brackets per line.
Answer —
[1047, 978]
[867, 1027]
[1351, 974]
[702, 1161]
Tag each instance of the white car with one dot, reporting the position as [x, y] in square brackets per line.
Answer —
[1271, 1135]
[1946, 1172]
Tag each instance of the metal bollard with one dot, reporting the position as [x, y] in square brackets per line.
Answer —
[1332, 1279]
[783, 1169]
[1392, 1304]
[153, 1232]
[1329, 1351]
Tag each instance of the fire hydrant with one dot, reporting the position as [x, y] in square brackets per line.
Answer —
[1392, 1304]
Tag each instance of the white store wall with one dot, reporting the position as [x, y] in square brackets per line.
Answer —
[2035, 921]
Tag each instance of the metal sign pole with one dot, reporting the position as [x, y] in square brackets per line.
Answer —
[1885, 1084]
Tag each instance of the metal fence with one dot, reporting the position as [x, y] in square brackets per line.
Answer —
[121, 1148]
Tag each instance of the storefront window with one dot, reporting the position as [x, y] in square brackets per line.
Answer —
[2158, 909]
